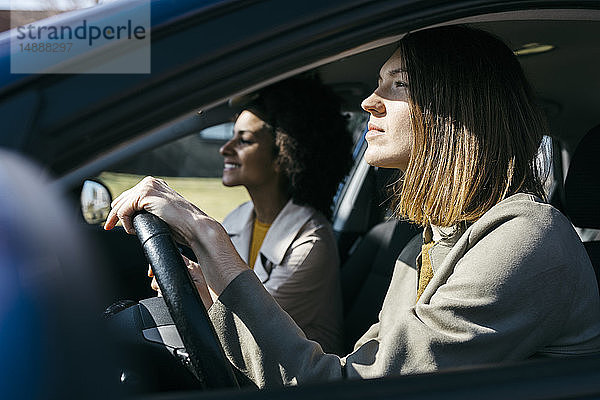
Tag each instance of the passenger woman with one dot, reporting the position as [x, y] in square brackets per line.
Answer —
[279, 153]
[499, 274]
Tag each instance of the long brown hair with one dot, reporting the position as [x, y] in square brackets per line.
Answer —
[475, 123]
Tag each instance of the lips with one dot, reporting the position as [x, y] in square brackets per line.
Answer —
[374, 131]
[373, 127]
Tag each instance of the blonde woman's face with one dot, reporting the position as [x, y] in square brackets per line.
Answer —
[390, 136]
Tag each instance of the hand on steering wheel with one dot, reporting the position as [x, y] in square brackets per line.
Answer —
[207, 358]
[206, 294]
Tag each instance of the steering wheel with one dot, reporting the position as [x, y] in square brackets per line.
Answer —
[207, 359]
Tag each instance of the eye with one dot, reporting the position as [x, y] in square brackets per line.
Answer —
[244, 141]
[400, 84]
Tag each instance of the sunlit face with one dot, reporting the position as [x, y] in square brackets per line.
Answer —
[390, 136]
[248, 156]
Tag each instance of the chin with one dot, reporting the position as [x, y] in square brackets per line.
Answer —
[228, 183]
[375, 160]
[383, 162]
[370, 159]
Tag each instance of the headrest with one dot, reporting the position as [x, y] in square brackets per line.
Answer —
[582, 186]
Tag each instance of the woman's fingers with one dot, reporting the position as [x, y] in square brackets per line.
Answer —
[130, 201]
[195, 272]
[154, 285]
[116, 205]
[200, 282]
[111, 220]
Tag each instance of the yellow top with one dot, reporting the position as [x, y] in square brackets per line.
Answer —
[425, 272]
[258, 235]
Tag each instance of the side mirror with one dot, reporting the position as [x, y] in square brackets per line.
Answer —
[95, 202]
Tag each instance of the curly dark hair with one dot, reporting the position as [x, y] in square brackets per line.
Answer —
[313, 145]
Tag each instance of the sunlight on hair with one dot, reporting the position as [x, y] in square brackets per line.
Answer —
[544, 164]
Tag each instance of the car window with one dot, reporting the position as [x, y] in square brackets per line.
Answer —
[193, 167]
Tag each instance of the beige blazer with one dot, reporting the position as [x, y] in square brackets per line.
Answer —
[515, 284]
[298, 264]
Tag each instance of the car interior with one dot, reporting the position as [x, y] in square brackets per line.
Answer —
[557, 56]
[560, 55]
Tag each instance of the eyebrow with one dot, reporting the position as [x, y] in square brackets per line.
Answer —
[392, 73]
[396, 71]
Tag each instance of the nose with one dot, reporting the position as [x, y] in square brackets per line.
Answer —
[226, 148]
[373, 105]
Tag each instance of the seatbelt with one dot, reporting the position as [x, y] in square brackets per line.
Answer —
[391, 245]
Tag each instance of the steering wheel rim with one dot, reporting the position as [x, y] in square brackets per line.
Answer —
[207, 358]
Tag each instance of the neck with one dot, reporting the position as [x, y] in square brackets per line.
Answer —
[268, 203]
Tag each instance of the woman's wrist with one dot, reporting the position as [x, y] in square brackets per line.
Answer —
[218, 259]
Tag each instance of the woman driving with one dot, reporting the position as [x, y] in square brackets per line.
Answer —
[498, 275]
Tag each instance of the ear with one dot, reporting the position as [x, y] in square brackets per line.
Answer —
[277, 160]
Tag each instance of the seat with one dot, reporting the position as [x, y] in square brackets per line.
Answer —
[582, 191]
[367, 273]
